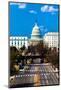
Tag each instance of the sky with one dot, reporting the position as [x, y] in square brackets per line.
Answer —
[22, 18]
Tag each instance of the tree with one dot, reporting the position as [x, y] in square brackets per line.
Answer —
[53, 57]
[13, 54]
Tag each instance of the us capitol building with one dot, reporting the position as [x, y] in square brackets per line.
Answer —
[50, 39]
[35, 35]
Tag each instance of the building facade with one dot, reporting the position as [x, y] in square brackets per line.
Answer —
[51, 39]
[18, 41]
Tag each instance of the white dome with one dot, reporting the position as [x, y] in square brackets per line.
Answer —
[35, 30]
[35, 33]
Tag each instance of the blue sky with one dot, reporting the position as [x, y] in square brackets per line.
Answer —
[22, 18]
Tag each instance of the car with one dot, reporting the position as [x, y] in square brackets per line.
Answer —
[26, 67]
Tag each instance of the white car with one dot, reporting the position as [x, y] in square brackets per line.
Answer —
[26, 67]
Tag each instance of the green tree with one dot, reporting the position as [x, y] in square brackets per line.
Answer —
[13, 54]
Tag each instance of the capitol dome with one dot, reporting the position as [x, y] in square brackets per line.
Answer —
[35, 35]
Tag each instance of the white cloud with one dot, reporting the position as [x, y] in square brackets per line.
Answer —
[44, 8]
[13, 3]
[47, 8]
[22, 5]
[43, 29]
[32, 11]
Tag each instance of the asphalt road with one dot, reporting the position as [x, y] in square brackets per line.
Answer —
[37, 75]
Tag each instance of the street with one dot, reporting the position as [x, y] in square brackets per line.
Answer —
[36, 75]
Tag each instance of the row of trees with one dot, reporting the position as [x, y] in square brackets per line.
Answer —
[49, 55]
[52, 56]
